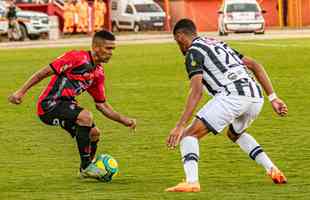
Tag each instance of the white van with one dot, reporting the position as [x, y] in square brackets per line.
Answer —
[241, 16]
[137, 15]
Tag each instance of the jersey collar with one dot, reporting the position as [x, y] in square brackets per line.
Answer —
[196, 38]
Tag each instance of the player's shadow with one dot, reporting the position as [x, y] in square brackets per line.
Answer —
[116, 181]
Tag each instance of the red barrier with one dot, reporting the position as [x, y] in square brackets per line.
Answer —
[305, 9]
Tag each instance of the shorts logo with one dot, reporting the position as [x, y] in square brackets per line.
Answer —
[63, 123]
[56, 122]
[72, 106]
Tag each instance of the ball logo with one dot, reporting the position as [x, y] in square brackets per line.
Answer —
[112, 163]
[100, 165]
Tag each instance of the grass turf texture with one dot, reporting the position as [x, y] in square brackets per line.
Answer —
[149, 82]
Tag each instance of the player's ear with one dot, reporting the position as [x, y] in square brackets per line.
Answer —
[95, 47]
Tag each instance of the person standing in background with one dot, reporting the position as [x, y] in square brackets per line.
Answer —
[82, 11]
[99, 14]
[14, 32]
[69, 10]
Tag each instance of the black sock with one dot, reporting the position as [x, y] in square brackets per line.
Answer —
[93, 149]
[83, 142]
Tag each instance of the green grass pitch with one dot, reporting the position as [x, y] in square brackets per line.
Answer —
[149, 82]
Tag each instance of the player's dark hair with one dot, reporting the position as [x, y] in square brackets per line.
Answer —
[103, 35]
[186, 26]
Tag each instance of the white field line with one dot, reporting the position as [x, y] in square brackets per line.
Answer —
[161, 38]
[271, 45]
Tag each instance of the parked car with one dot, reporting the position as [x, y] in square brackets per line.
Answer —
[137, 15]
[32, 24]
[237, 16]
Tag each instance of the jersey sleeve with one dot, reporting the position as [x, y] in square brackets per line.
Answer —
[62, 63]
[97, 90]
[194, 62]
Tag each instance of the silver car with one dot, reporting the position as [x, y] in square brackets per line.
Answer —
[238, 16]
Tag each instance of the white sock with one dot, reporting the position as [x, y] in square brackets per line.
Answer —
[190, 154]
[250, 146]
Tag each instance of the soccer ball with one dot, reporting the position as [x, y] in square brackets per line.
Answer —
[108, 166]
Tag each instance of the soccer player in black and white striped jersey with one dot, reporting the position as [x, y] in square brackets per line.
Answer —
[236, 103]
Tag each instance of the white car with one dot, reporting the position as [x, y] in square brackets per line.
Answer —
[137, 15]
[32, 24]
[239, 16]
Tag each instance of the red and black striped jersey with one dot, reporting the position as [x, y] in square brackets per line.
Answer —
[75, 72]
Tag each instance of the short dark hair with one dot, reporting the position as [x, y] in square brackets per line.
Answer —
[103, 35]
[186, 26]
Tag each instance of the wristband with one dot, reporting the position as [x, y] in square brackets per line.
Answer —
[272, 96]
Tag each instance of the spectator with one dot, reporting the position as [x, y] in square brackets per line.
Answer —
[82, 11]
[69, 10]
[99, 13]
[14, 32]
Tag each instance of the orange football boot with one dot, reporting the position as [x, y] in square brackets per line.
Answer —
[185, 187]
[277, 176]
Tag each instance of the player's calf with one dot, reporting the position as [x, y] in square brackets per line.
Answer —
[84, 125]
[94, 139]
[251, 147]
[94, 134]
[83, 143]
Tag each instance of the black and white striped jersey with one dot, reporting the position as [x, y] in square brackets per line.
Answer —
[222, 68]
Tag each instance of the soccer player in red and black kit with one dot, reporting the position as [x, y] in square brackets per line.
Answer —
[73, 73]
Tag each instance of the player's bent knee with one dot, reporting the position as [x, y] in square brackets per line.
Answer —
[189, 134]
[232, 135]
[85, 118]
[196, 129]
[94, 134]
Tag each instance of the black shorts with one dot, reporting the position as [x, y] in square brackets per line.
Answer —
[64, 115]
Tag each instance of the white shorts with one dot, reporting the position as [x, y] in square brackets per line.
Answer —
[222, 111]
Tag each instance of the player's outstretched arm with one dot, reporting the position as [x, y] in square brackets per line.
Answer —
[193, 99]
[107, 110]
[277, 104]
[17, 97]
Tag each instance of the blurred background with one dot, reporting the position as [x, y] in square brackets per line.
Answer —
[53, 19]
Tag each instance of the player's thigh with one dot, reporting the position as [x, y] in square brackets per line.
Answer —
[241, 123]
[196, 129]
[219, 112]
[64, 114]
